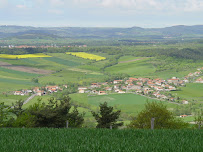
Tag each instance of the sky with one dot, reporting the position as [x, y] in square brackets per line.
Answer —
[101, 13]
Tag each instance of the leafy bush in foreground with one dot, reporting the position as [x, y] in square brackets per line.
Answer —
[163, 118]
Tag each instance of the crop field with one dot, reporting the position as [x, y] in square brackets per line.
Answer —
[87, 56]
[9, 99]
[66, 76]
[99, 140]
[63, 61]
[127, 103]
[38, 55]
[135, 68]
[191, 91]
[15, 84]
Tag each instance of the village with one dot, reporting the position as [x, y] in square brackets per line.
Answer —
[153, 88]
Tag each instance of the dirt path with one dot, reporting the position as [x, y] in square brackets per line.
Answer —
[131, 60]
[25, 69]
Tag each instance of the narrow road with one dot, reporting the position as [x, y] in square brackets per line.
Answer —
[29, 98]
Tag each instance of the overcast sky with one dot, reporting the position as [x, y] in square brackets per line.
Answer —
[101, 13]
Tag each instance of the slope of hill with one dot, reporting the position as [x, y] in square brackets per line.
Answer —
[87, 32]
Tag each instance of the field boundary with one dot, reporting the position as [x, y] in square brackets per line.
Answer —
[131, 60]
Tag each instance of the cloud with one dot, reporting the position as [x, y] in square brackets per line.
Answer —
[21, 6]
[3, 3]
[57, 2]
[193, 5]
[55, 11]
[146, 5]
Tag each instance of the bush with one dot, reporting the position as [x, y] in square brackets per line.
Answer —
[163, 118]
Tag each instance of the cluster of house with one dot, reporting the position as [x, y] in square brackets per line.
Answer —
[40, 91]
[42, 46]
[143, 86]
[196, 74]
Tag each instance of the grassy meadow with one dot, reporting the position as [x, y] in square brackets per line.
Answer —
[9, 99]
[192, 91]
[129, 104]
[135, 68]
[103, 140]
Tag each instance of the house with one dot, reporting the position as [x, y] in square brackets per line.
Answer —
[190, 75]
[171, 88]
[185, 102]
[117, 81]
[95, 85]
[197, 73]
[150, 83]
[108, 88]
[116, 86]
[123, 87]
[133, 79]
[200, 80]
[133, 87]
[140, 83]
[117, 90]
[36, 89]
[94, 91]
[82, 89]
[158, 88]
[120, 91]
[40, 93]
[182, 116]
[175, 81]
[65, 86]
[101, 93]
[186, 80]
[128, 81]
[19, 93]
[181, 83]
[52, 89]
[158, 83]
[163, 97]
[104, 83]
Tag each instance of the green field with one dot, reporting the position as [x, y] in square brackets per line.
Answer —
[130, 104]
[127, 58]
[136, 68]
[9, 99]
[191, 91]
[99, 140]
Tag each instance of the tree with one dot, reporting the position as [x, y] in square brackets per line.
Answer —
[4, 111]
[106, 117]
[163, 118]
[199, 120]
[56, 113]
[35, 80]
[75, 119]
[17, 107]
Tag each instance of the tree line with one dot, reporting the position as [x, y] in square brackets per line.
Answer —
[184, 53]
[57, 113]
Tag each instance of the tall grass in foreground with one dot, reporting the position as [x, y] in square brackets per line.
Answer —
[99, 140]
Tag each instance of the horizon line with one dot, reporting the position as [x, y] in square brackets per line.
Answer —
[98, 26]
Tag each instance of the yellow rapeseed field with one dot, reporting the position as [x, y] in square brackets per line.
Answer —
[87, 56]
[37, 55]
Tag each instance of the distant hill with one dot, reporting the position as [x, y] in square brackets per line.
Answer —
[94, 32]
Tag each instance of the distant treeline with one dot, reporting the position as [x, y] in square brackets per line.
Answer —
[185, 53]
